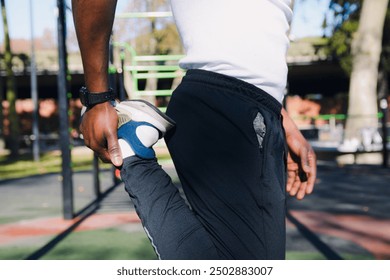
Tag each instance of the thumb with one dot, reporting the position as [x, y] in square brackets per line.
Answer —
[114, 151]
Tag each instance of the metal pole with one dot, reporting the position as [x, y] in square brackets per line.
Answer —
[34, 90]
[67, 183]
[96, 181]
[113, 84]
[122, 95]
[384, 107]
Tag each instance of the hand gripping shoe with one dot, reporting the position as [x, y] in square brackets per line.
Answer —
[135, 113]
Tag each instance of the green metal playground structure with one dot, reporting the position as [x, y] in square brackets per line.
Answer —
[144, 67]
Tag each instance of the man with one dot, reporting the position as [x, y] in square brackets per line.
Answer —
[230, 135]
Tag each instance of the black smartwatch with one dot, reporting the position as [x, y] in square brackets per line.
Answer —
[89, 99]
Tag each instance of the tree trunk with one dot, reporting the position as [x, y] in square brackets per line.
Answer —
[11, 89]
[366, 50]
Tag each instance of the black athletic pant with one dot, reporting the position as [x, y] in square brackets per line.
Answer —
[228, 148]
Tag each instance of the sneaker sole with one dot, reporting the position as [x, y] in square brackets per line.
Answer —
[148, 112]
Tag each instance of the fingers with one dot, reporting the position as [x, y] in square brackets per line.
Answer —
[99, 149]
[302, 191]
[99, 129]
[290, 180]
[104, 156]
[312, 175]
[301, 173]
[301, 160]
[304, 155]
[110, 154]
[309, 171]
[295, 186]
[309, 168]
[114, 150]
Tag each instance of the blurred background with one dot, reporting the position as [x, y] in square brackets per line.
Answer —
[51, 186]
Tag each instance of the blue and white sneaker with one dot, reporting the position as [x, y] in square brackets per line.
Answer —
[135, 113]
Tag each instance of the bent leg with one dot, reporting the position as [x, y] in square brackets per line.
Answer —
[173, 229]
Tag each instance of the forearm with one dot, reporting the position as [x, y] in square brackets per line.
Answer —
[290, 127]
[301, 160]
[93, 23]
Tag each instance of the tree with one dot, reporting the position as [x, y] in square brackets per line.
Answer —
[14, 129]
[357, 44]
[145, 34]
[150, 36]
[343, 26]
[366, 52]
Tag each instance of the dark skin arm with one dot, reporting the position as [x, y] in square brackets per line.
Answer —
[93, 22]
[301, 161]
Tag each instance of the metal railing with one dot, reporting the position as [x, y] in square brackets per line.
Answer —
[330, 131]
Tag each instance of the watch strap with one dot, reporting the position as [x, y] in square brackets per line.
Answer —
[89, 99]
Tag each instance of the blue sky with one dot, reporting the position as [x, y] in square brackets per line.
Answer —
[308, 17]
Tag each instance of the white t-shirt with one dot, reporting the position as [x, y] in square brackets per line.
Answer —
[245, 39]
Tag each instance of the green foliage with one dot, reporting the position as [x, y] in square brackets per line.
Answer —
[344, 10]
[346, 21]
[14, 129]
[339, 46]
